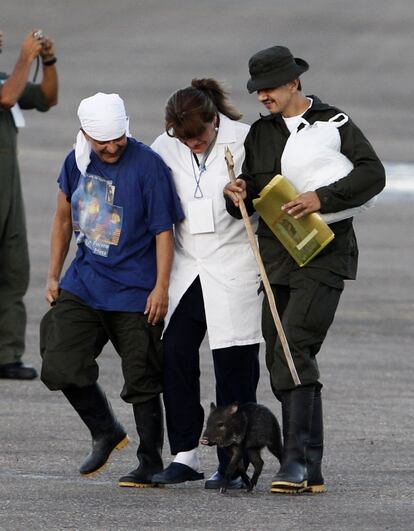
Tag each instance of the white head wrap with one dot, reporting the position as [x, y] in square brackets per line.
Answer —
[102, 117]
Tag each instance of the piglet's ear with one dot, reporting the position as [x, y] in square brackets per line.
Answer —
[233, 408]
[212, 406]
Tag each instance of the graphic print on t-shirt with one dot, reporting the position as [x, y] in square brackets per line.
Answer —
[94, 216]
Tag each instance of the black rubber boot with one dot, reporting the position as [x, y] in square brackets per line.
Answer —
[285, 400]
[149, 423]
[314, 452]
[107, 433]
[297, 406]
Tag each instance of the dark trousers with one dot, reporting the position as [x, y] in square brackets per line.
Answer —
[72, 335]
[236, 370]
[307, 308]
[14, 265]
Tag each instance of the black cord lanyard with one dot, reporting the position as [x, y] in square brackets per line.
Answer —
[198, 193]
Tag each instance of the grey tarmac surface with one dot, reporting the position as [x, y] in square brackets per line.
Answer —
[361, 60]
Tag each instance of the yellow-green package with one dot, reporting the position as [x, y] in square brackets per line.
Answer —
[303, 238]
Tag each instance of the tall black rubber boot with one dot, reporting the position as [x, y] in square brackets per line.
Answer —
[314, 452]
[149, 423]
[298, 407]
[284, 397]
[107, 433]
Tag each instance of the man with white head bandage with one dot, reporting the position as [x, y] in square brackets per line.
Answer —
[117, 196]
[103, 119]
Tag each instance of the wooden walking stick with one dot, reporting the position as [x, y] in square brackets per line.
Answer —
[269, 293]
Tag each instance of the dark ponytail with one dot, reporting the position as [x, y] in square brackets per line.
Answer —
[218, 95]
[189, 110]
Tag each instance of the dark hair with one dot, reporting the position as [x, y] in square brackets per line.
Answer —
[189, 109]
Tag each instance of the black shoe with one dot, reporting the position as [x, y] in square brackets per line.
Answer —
[217, 481]
[102, 447]
[177, 473]
[137, 478]
[17, 371]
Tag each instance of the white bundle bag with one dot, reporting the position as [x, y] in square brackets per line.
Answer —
[312, 158]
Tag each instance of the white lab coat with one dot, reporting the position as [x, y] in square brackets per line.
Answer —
[222, 259]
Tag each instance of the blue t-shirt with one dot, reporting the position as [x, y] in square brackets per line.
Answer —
[117, 209]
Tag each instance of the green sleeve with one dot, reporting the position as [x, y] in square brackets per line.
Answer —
[33, 98]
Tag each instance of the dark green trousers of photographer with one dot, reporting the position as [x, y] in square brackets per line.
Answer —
[14, 255]
[14, 261]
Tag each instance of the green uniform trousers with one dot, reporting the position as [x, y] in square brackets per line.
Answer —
[307, 308]
[14, 262]
[72, 335]
[14, 257]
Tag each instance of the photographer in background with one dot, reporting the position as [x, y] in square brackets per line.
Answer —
[17, 93]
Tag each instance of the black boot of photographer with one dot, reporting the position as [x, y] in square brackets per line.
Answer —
[107, 433]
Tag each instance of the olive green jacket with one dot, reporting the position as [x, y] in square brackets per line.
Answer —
[264, 146]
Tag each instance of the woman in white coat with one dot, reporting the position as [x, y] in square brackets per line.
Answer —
[214, 282]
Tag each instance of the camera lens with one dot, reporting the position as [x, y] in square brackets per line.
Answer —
[38, 35]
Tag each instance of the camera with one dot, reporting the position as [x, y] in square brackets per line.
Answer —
[39, 35]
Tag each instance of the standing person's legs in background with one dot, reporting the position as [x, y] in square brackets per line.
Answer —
[14, 280]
